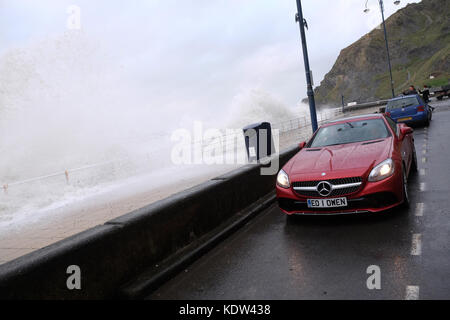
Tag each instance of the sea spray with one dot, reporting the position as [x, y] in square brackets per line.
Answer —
[72, 125]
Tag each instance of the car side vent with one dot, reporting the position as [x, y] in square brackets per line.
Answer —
[313, 149]
[370, 142]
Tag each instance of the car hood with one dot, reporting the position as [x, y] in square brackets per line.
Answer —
[356, 158]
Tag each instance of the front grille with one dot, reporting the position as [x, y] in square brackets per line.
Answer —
[334, 193]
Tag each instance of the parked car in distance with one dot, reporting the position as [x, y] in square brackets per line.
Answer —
[352, 165]
[410, 109]
[441, 92]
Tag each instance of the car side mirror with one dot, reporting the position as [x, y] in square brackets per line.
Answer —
[302, 145]
[404, 130]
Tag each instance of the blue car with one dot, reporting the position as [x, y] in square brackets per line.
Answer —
[410, 109]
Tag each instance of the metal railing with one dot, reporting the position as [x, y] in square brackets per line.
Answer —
[289, 131]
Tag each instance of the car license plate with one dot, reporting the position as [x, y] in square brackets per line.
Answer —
[405, 119]
[327, 203]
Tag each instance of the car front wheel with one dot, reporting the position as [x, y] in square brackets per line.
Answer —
[414, 160]
[405, 190]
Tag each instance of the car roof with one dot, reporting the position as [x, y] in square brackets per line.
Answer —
[355, 118]
[403, 97]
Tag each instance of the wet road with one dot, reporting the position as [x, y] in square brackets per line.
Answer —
[328, 257]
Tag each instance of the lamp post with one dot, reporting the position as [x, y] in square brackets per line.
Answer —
[312, 104]
[385, 39]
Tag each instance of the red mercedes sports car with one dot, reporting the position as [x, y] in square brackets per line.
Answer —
[351, 165]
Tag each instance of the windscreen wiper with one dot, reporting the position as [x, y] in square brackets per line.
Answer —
[335, 144]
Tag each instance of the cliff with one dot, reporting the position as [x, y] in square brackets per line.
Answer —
[419, 44]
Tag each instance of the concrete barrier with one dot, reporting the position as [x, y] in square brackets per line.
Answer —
[365, 105]
[111, 254]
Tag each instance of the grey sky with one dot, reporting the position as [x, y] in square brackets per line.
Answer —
[205, 51]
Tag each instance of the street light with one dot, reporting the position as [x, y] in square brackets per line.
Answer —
[312, 104]
[397, 2]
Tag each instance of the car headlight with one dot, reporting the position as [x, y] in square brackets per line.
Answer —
[283, 179]
[382, 171]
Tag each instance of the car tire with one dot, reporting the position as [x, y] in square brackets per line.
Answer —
[405, 203]
[414, 167]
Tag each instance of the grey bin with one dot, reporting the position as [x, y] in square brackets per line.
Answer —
[258, 141]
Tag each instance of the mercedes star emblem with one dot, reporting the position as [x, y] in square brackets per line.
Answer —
[324, 188]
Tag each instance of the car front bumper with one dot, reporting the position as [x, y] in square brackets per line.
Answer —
[371, 197]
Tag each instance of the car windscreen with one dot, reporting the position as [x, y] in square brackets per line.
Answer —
[402, 103]
[349, 132]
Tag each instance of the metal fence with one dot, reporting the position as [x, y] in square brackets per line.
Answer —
[289, 132]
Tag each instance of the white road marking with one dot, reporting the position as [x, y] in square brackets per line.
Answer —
[423, 186]
[419, 209]
[424, 159]
[422, 172]
[424, 151]
[412, 293]
[424, 145]
[416, 248]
